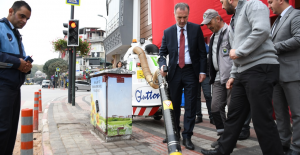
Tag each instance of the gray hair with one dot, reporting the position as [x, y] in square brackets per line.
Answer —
[181, 6]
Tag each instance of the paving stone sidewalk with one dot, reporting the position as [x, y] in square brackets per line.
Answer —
[67, 130]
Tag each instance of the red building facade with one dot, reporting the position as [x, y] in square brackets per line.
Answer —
[163, 15]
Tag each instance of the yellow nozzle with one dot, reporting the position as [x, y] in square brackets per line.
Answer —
[176, 153]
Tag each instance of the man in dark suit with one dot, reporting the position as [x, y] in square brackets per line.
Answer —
[184, 43]
[286, 38]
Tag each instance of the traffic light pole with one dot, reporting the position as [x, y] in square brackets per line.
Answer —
[70, 77]
[72, 68]
[73, 82]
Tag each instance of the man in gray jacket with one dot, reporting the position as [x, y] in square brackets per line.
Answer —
[254, 73]
[220, 65]
[286, 38]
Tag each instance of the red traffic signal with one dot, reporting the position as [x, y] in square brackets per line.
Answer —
[73, 24]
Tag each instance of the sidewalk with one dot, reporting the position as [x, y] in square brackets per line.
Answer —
[67, 130]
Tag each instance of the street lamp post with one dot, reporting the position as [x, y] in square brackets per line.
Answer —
[105, 37]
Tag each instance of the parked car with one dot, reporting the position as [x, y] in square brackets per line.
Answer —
[47, 83]
[82, 85]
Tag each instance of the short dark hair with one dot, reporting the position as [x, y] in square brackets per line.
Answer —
[286, 1]
[221, 19]
[118, 63]
[18, 4]
[181, 6]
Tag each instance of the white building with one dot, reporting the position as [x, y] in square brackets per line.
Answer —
[126, 21]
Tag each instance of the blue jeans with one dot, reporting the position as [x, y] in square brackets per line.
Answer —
[207, 94]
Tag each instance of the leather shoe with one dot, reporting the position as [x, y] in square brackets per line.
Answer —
[285, 149]
[244, 135]
[292, 152]
[209, 152]
[188, 143]
[166, 140]
[214, 144]
[198, 120]
[212, 122]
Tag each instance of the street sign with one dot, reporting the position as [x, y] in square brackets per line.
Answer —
[73, 2]
[57, 69]
[87, 70]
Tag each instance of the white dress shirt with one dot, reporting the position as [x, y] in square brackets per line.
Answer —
[187, 57]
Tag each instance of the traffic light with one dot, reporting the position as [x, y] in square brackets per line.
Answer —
[56, 74]
[65, 32]
[73, 33]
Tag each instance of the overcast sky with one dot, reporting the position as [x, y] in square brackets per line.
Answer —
[46, 23]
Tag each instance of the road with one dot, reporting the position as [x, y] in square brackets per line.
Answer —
[145, 128]
[27, 96]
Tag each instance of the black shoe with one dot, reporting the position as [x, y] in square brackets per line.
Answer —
[166, 140]
[292, 152]
[210, 152]
[198, 120]
[212, 121]
[217, 146]
[244, 135]
[214, 144]
[285, 149]
[188, 143]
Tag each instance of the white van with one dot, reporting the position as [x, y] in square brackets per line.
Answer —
[46, 83]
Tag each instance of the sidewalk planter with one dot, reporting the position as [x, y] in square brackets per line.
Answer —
[111, 109]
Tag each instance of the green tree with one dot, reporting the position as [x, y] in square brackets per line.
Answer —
[49, 62]
[63, 65]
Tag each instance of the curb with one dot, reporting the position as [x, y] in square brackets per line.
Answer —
[46, 146]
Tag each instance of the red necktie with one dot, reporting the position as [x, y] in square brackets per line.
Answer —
[181, 49]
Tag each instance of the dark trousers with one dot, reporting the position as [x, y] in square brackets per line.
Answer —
[253, 89]
[207, 95]
[286, 94]
[9, 118]
[221, 98]
[184, 78]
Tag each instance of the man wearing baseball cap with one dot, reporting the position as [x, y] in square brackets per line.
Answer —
[254, 73]
[220, 65]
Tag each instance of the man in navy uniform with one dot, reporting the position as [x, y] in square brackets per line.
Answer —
[12, 74]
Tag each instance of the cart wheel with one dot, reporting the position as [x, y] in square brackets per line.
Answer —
[157, 117]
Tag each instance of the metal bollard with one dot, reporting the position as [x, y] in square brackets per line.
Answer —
[35, 111]
[40, 101]
[26, 132]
